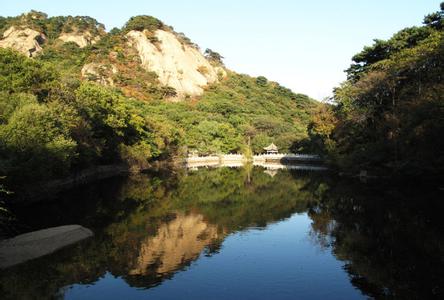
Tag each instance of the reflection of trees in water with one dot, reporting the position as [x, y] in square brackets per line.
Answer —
[236, 199]
[392, 241]
[149, 227]
[322, 228]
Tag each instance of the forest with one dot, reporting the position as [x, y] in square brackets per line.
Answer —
[102, 195]
[54, 123]
[387, 117]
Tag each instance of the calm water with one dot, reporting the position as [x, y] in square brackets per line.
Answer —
[237, 234]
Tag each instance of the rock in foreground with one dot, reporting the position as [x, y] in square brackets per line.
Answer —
[34, 244]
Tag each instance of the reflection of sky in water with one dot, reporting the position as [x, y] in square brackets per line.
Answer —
[278, 262]
[204, 235]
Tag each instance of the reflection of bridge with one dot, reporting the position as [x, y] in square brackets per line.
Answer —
[267, 161]
[291, 167]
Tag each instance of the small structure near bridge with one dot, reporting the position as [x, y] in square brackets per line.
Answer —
[271, 149]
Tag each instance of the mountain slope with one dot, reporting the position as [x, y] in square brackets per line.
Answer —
[177, 63]
[132, 95]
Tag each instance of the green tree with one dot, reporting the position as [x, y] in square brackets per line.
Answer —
[214, 56]
[261, 80]
[21, 74]
[140, 23]
[211, 137]
[35, 144]
[436, 19]
[390, 116]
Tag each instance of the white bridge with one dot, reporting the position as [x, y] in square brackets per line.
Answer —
[268, 161]
[287, 157]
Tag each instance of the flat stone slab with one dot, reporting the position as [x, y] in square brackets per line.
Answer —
[34, 244]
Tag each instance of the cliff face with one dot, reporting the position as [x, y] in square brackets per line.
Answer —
[30, 42]
[140, 60]
[178, 65]
[26, 41]
[81, 39]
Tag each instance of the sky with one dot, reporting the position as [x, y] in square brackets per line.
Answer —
[304, 45]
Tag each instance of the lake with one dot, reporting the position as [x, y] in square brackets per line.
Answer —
[237, 233]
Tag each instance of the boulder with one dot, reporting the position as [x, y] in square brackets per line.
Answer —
[81, 39]
[24, 40]
[35, 244]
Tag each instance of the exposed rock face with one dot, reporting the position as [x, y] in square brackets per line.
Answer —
[179, 66]
[100, 73]
[26, 41]
[175, 244]
[81, 39]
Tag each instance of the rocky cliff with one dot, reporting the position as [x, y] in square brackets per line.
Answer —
[30, 42]
[126, 58]
[82, 39]
[178, 65]
[26, 41]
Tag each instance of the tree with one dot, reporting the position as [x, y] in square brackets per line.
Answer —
[140, 23]
[107, 118]
[114, 31]
[9, 103]
[19, 73]
[211, 137]
[213, 56]
[436, 19]
[168, 92]
[36, 143]
[384, 49]
[390, 115]
[261, 81]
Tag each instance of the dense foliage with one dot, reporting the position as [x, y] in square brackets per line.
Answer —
[389, 115]
[238, 115]
[54, 121]
[49, 127]
[52, 27]
[141, 23]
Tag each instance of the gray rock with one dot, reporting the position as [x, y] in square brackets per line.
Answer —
[35, 244]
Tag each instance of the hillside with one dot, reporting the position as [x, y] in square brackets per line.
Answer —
[142, 57]
[74, 96]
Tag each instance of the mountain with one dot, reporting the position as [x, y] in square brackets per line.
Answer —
[154, 47]
[73, 96]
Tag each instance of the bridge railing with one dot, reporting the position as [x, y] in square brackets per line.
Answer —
[229, 157]
[240, 156]
[288, 155]
[261, 157]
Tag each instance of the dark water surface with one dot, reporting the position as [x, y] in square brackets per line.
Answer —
[237, 234]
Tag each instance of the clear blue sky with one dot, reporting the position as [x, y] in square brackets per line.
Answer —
[304, 45]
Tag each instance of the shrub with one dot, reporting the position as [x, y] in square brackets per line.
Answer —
[36, 143]
[140, 23]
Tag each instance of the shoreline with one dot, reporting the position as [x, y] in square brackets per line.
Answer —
[47, 190]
